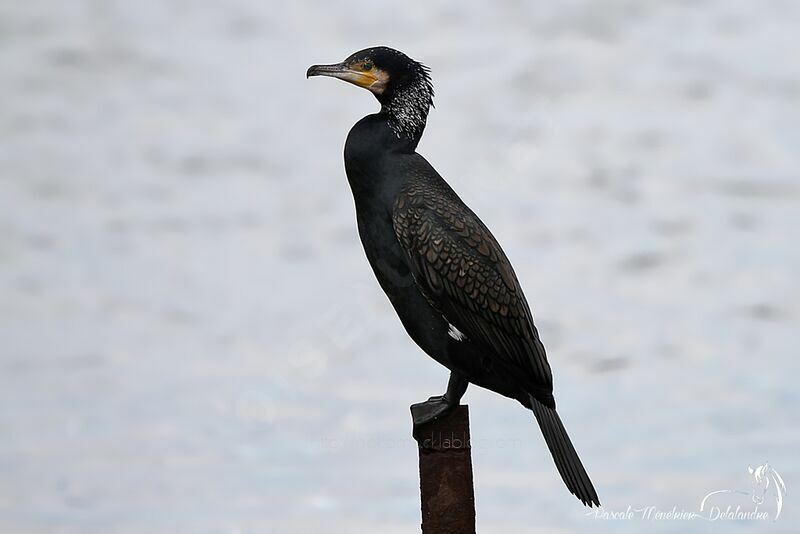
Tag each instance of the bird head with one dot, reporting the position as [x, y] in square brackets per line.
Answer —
[402, 86]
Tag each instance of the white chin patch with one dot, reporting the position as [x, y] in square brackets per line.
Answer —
[455, 333]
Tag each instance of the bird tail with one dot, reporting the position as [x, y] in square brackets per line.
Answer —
[564, 455]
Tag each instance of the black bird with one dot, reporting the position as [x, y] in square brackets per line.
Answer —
[442, 269]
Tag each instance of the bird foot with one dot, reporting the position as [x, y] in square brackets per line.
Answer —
[433, 408]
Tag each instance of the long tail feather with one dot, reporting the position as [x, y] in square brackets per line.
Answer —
[566, 459]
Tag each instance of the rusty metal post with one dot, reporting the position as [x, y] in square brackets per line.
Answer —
[445, 474]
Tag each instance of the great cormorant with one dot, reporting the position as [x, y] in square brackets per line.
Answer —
[444, 272]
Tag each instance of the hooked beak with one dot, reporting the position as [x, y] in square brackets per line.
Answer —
[325, 70]
[343, 72]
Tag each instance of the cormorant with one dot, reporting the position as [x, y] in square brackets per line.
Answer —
[444, 272]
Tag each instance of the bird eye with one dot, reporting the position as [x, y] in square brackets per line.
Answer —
[368, 65]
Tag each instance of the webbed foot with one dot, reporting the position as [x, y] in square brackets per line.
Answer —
[433, 408]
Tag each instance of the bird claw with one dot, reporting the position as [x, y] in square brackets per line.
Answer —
[433, 408]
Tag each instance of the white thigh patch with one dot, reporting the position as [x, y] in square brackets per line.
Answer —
[455, 333]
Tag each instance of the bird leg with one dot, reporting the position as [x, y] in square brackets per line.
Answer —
[435, 407]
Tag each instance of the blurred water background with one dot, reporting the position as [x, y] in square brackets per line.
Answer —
[191, 339]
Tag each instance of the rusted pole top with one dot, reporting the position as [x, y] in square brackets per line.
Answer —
[445, 474]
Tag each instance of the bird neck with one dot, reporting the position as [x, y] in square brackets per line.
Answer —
[407, 110]
[370, 159]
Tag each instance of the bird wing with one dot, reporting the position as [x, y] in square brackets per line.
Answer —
[461, 269]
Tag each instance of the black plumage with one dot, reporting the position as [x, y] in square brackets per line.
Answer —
[444, 272]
